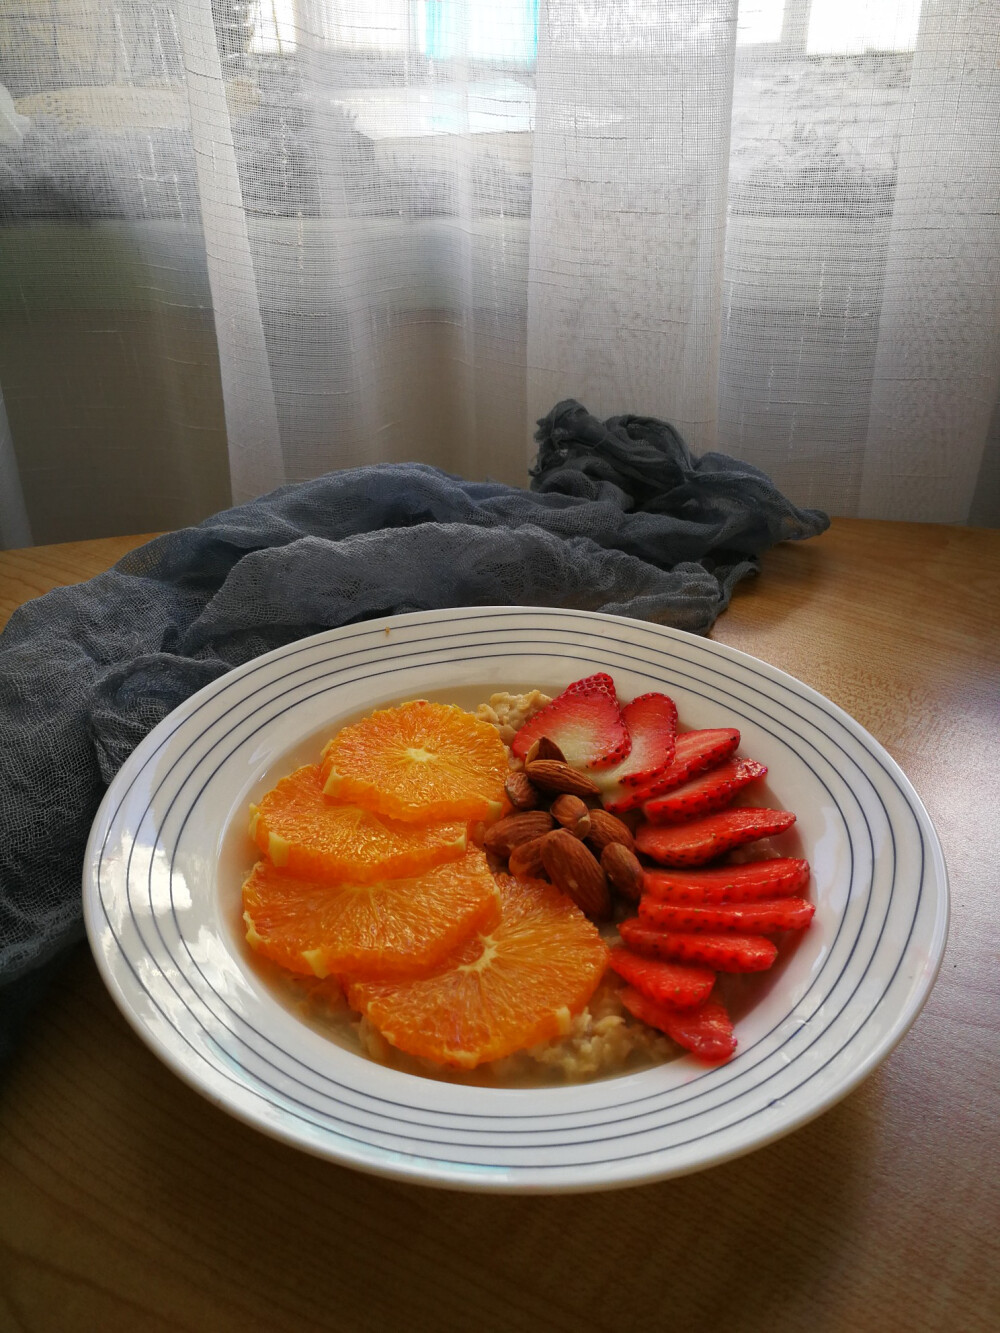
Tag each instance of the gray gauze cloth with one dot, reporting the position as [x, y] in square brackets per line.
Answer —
[620, 518]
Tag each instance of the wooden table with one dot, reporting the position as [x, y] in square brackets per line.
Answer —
[127, 1202]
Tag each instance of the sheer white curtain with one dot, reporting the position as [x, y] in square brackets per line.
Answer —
[412, 226]
[937, 361]
[861, 307]
[387, 217]
[628, 219]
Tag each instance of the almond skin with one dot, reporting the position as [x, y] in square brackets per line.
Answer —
[525, 861]
[606, 829]
[624, 869]
[574, 869]
[543, 748]
[522, 792]
[572, 814]
[506, 834]
[551, 775]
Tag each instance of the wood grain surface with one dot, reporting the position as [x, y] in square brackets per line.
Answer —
[38, 569]
[129, 1202]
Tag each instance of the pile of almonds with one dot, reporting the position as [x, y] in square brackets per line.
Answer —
[560, 832]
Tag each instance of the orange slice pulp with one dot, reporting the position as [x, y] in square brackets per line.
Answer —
[500, 992]
[387, 928]
[299, 830]
[421, 761]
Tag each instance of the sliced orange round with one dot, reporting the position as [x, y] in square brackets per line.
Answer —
[512, 988]
[418, 762]
[303, 832]
[390, 928]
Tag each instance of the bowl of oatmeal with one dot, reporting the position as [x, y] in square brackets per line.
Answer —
[610, 1102]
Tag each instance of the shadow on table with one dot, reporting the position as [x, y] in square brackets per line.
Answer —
[758, 1239]
[183, 1214]
[790, 575]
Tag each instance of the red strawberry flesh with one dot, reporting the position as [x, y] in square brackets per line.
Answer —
[776, 877]
[672, 984]
[706, 1031]
[701, 840]
[764, 916]
[652, 724]
[584, 721]
[694, 751]
[701, 795]
[724, 952]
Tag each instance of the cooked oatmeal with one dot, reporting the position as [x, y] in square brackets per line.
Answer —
[603, 1040]
[509, 712]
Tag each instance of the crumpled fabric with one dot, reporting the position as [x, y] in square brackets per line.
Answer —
[620, 518]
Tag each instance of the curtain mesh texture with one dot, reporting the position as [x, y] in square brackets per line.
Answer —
[246, 243]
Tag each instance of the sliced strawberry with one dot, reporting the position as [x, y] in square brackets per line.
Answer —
[764, 917]
[600, 680]
[694, 751]
[724, 952]
[701, 840]
[584, 721]
[706, 1031]
[777, 877]
[671, 984]
[652, 723]
[702, 794]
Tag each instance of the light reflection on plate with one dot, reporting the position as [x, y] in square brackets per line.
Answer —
[168, 850]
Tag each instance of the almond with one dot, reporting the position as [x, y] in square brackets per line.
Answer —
[624, 869]
[552, 775]
[521, 791]
[572, 814]
[506, 834]
[525, 861]
[543, 748]
[573, 868]
[605, 829]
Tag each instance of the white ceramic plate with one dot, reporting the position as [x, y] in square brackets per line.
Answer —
[169, 848]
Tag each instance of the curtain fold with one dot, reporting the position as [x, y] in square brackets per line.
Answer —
[385, 172]
[936, 378]
[255, 458]
[108, 363]
[628, 219]
[389, 230]
[15, 529]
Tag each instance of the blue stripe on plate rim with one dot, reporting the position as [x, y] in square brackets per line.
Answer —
[588, 643]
